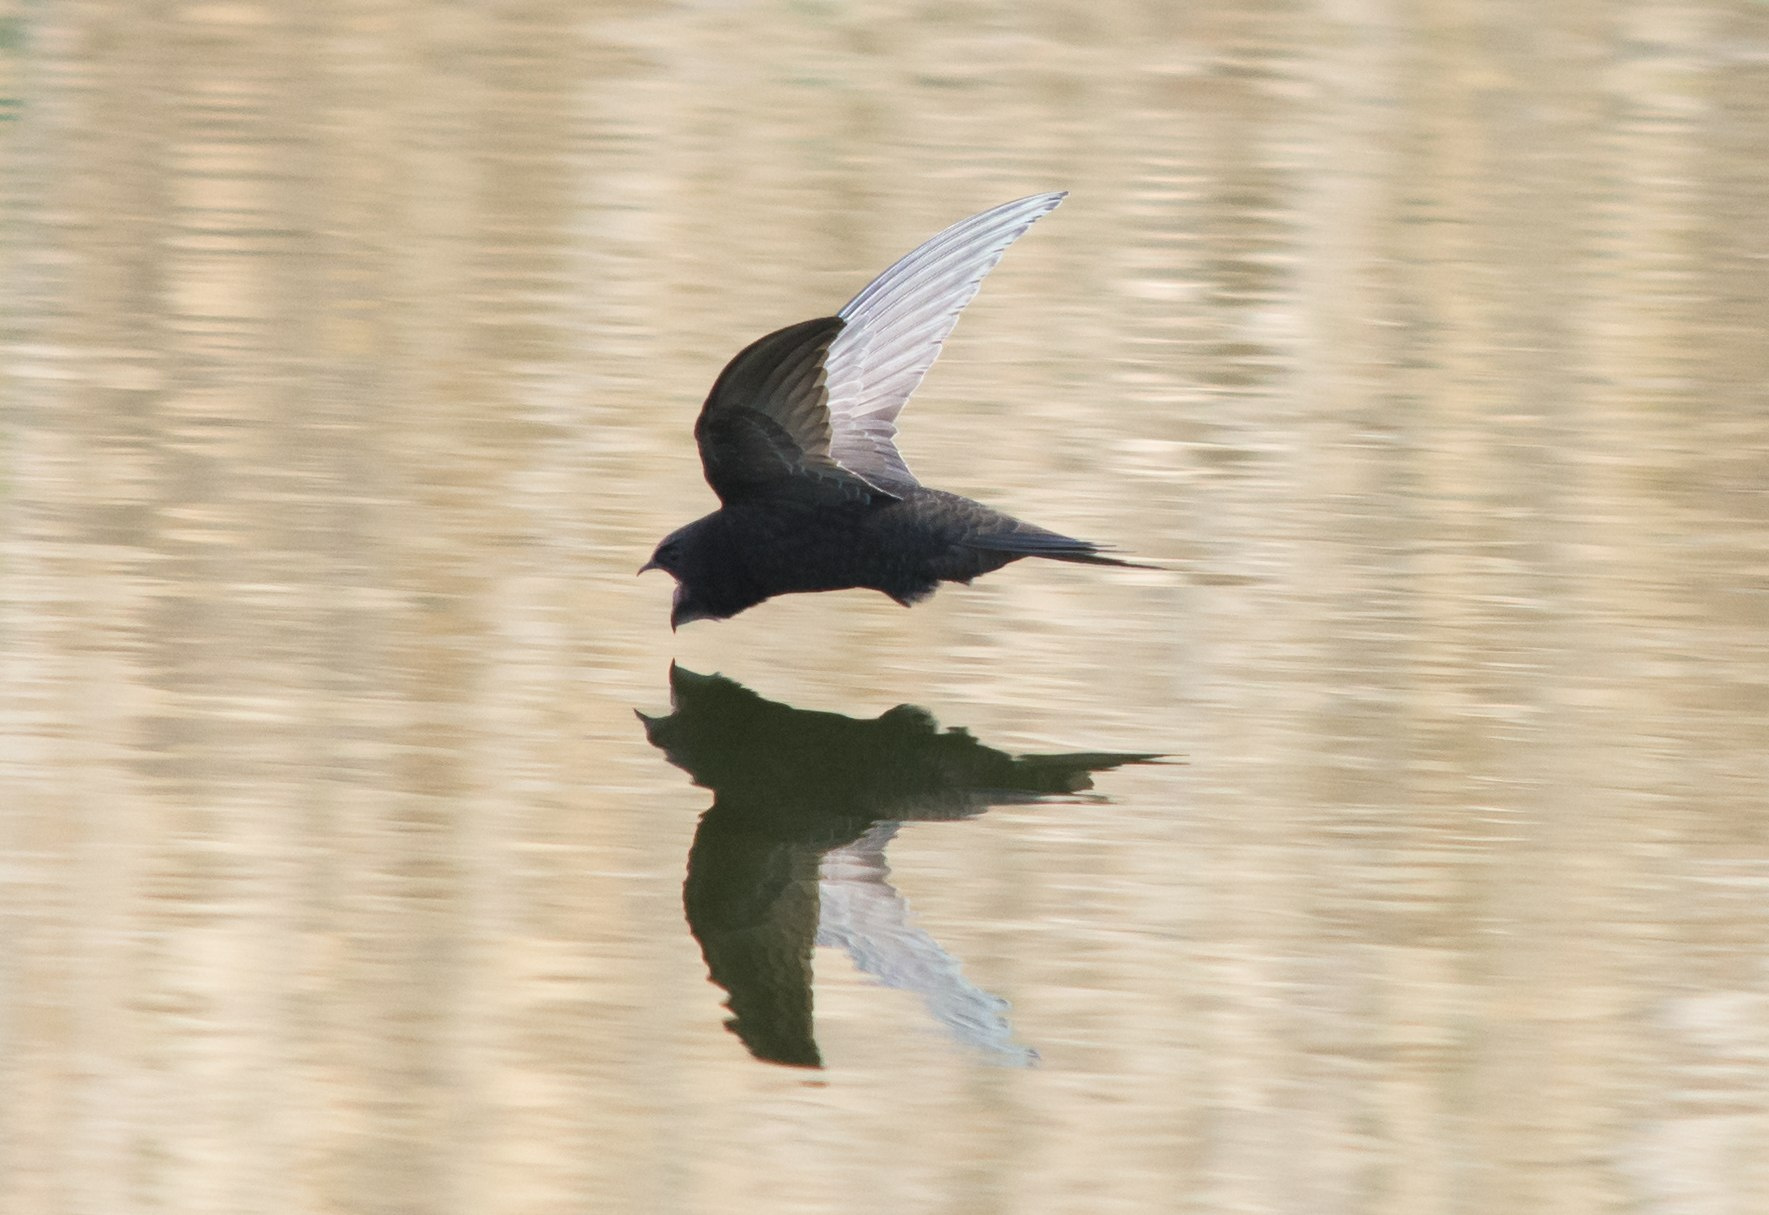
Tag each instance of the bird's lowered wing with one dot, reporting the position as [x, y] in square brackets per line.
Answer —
[894, 329]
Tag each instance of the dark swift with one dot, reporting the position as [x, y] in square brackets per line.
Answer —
[797, 440]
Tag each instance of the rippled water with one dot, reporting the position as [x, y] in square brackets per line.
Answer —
[351, 355]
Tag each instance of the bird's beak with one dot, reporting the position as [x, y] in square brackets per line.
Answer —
[649, 565]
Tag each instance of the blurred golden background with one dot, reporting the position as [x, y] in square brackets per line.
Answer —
[350, 356]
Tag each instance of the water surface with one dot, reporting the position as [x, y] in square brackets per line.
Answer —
[351, 355]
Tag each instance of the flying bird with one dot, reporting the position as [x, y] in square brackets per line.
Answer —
[797, 440]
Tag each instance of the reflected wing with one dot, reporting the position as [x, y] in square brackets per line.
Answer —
[766, 425]
[751, 902]
[862, 913]
[894, 329]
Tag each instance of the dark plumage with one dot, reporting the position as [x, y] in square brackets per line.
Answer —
[791, 853]
[796, 438]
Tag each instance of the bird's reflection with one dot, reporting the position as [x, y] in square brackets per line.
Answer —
[791, 853]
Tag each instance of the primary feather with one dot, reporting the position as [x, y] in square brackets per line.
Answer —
[896, 325]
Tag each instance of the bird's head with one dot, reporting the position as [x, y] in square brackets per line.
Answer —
[688, 555]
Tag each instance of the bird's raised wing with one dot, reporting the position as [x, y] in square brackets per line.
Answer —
[894, 329]
[765, 426]
[813, 407]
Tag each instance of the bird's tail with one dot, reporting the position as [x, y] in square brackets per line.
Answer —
[1029, 541]
[1096, 557]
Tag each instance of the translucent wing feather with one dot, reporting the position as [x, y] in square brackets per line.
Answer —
[894, 329]
[863, 914]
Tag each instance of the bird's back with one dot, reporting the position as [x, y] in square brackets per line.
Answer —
[942, 537]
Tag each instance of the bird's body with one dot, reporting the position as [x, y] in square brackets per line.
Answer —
[904, 547]
[796, 438]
